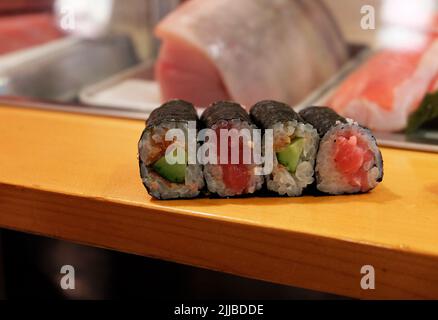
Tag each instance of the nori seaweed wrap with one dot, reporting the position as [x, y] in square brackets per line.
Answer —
[230, 178]
[321, 118]
[294, 147]
[172, 111]
[224, 111]
[162, 179]
[348, 160]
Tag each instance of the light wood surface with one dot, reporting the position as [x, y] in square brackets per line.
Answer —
[75, 177]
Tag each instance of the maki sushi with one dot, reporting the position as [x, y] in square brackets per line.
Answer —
[294, 145]
[348, 160]
[162, 179]
[291, 151]
[224, 176]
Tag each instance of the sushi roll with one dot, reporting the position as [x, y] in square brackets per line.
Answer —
[348, 160]
[162, 179]
[295, 144]
[230, 178]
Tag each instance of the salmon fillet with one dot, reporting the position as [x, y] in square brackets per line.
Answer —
[386, 89]
[434, 86]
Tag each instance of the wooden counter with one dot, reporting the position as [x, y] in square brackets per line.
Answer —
[75, 177]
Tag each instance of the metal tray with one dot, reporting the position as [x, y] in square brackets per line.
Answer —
[57, 71]
[131, 91]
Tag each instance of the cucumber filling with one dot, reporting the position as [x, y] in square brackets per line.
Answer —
[291, 154]
[172, 172]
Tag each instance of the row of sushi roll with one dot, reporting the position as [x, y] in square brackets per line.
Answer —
[315, 147]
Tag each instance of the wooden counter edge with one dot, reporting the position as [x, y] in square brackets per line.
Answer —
[302, 260]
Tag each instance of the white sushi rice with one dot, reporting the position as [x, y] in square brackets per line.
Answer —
[281, 180]
[158, 186]
[330, 180]
[213, 173]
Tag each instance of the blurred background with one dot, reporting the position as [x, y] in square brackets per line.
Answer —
[48, 46]
[99, 56]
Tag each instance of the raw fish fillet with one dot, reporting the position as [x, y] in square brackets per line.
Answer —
[20, 6]
[434, 86]
[247, 50]
[27, 30]
[385, 90]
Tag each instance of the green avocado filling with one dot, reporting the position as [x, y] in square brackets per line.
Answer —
[290, 155]
[172, 172]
